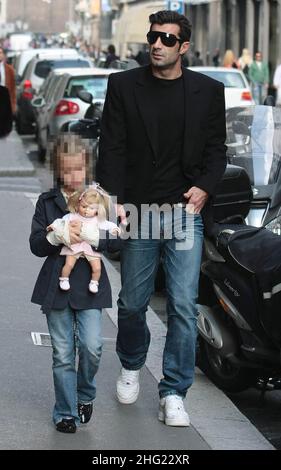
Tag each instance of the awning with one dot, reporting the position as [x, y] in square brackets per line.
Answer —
[133, 23]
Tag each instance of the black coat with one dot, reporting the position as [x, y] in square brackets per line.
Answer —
[129, 142]
[6, 115]
[50, 206]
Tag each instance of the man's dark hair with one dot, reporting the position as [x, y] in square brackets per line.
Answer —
[169, 16]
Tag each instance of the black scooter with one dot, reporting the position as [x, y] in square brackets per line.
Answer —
[239, 317]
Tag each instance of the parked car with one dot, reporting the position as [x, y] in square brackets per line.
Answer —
[25, 56]
[35, 73]
[237, 88]
[125, 64]
[59, 102]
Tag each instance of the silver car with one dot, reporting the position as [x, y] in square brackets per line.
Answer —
[59, 103]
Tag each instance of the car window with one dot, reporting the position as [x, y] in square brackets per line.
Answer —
[51, 88]
[43, 67]
[27, 71]
[229, 79]
[59, 90]
[95, 85]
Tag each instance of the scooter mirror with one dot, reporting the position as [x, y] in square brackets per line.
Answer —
[85, 96]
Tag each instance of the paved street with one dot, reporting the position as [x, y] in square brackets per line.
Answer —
[26, 391]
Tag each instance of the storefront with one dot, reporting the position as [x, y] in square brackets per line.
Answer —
[133, 24]
[236, 24]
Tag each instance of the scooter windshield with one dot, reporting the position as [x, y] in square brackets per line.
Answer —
[254, 142]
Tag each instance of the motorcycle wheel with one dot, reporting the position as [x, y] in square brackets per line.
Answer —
[222, 372]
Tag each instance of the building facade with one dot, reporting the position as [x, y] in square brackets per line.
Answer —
[236, 24]
[44, 16]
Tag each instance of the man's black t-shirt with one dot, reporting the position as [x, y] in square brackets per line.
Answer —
[168, 181]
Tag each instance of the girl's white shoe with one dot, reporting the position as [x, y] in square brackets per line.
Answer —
[94, 286]
[64, 283]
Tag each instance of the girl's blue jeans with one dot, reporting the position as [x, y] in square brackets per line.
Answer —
[72, 330]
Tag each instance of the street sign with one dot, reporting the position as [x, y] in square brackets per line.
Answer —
[177, 6]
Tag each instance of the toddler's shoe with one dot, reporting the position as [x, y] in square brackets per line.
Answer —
[66, 425]
[64, 283]
[94, 286]
[85, 411]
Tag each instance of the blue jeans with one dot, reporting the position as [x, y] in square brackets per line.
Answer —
[259, 92]
[181, 252]
[70, 329]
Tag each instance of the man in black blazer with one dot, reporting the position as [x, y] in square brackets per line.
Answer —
[162, 143]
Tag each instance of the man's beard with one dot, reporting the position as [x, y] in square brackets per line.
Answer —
[163, 66]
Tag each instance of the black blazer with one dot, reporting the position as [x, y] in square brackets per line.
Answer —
[128, 142]
[6, 115]
[50, 206]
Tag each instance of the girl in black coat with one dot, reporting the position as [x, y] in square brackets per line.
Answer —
[73, 317]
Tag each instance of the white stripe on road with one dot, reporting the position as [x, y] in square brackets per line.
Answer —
[32, 197]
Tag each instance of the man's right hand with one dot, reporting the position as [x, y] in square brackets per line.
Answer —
[74, 231]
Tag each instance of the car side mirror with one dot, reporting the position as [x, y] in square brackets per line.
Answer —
[38, 102]
[85, 96]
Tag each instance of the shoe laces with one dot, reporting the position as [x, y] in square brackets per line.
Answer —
[85, 411]
[83, 407]
[175, 402]
[129, 376]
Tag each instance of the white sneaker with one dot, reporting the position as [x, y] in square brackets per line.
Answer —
[172, 412]
[94, 287]
[64, 283]
[128, 386]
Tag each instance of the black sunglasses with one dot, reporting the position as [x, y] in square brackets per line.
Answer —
[167, 39]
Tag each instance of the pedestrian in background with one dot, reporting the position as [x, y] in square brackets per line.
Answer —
[259, 77]
[216, 58]
[245, 61]
[7, 79]
[143, 57]
[74, 316]
[229, 60]
[162, 142]
[197, 61]
[6, 115]
[111, 56]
